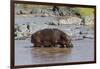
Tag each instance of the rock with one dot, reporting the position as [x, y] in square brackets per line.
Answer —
[63, 21]
[89, 20]
[90, 36]
[74, 20]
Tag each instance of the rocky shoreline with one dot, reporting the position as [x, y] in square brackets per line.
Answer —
[30, 20]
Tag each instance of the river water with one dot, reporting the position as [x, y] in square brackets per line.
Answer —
[25, 54]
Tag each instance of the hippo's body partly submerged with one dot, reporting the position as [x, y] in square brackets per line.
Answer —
[51, 38]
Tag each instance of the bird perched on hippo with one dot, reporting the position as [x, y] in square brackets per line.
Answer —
[51, 38]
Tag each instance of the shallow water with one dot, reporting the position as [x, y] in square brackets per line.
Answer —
[25, 54]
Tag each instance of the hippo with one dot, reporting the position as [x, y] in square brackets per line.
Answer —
[51, 38]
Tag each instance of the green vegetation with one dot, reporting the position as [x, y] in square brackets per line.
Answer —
[85, 11]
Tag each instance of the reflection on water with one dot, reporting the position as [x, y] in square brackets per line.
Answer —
[51, 51]
[83, 50]
[49, 55]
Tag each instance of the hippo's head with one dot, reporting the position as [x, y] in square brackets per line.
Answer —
[66, 41]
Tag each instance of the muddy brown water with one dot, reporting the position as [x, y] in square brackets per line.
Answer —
[25, 54]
